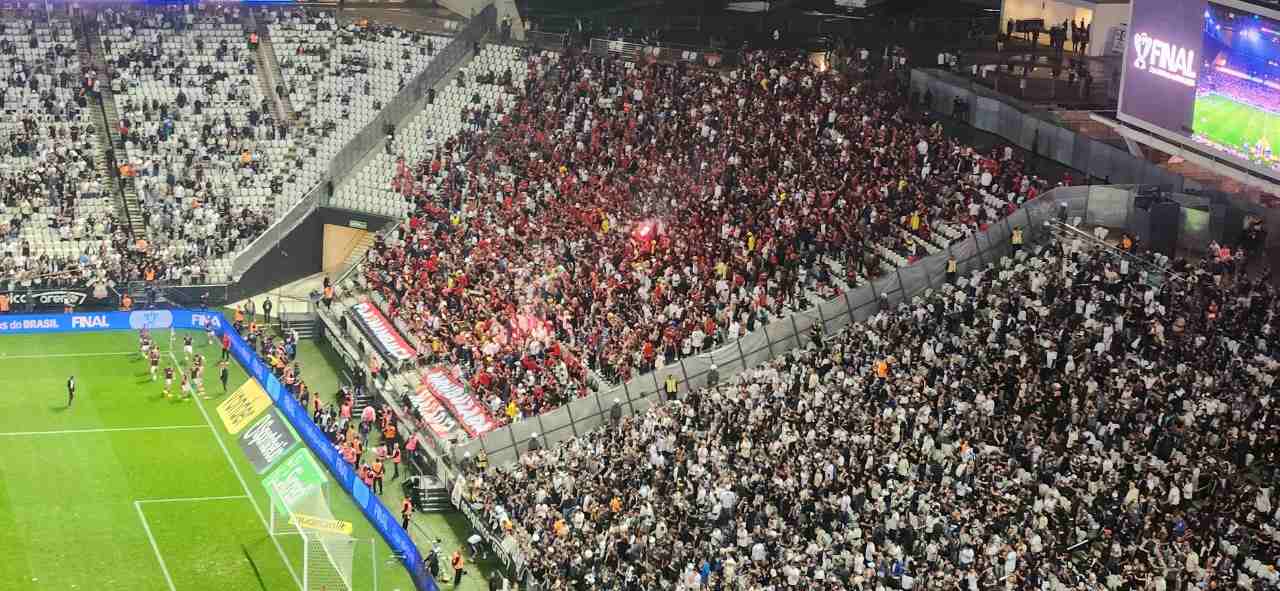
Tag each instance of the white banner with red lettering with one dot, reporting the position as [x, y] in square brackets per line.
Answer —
[382, 332]
[468, 409]
[435, 415]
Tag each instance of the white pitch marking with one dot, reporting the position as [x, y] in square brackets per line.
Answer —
[53, 355]
[154, 546]
[191, 499]
[105, 430]
[243, 484]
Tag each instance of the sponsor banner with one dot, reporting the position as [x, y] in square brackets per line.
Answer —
[469, 411]
[436, 416]
[48, 299]
[382, 332]
[91, 321]
[292, 480]
[243, 406]
[332, 526]
[267, 441]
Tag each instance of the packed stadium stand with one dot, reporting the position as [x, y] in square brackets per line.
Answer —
[628, 215]
[559, 222]
[1048, 423]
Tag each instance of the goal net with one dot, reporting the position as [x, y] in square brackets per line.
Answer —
[328, 549]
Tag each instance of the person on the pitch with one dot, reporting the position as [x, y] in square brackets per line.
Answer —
[71, 390]
[223, 374]
[406, 511]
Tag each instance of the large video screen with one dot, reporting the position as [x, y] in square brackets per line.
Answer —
[1209, 72]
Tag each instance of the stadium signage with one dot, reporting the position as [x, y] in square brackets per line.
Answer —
[382, 332]
[55, 298]
[1164, 59]
[473, 416]
[92, 321]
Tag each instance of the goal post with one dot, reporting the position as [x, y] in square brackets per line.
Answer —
[328, 550]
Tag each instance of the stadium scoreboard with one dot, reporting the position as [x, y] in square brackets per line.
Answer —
[1208, 73]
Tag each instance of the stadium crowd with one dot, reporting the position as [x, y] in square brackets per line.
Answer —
[1054, 423]
[55, 213]
[622, 217]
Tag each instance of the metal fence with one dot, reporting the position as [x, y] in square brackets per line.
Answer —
[545, 40]
[405, 103]
[1036, 132]
[1095, 206]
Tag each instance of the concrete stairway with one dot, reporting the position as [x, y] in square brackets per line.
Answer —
[357, 254]
[93, 50]
[92, 60]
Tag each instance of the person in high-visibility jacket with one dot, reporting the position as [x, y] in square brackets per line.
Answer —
[952, 270]
[457, 563]
[1016, 239]
[671, 386]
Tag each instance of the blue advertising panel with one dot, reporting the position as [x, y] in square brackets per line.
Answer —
[382, 519]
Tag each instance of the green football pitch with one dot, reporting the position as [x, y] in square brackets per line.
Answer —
[1233, 124]
[126, 489]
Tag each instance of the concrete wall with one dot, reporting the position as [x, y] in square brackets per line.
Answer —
[1106, 18]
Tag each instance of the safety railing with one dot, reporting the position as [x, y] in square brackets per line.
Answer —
[1099, 205]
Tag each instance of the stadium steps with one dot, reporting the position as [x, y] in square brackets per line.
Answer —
[429, 494]
[91, 54]
[111, 116]
[357, 254]
[269, 74]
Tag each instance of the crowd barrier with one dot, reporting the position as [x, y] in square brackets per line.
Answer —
[1096, 206]
[1109, 206]
[378, 515]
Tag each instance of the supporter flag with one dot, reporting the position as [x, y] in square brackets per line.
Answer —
[454, 395]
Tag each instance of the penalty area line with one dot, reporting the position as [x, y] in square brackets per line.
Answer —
[104, 430]
[192, 499]
[4, 356]
[154, 545]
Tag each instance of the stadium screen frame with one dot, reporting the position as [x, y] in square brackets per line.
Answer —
[1164, 72]
[378, 515]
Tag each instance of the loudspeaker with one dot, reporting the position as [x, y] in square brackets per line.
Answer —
[1166, 218]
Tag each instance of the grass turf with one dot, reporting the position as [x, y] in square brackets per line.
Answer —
[81, 486]
[1233, 124]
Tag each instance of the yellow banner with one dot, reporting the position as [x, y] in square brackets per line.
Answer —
[243, 406]
[321, 524]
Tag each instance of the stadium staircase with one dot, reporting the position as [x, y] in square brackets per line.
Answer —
[428, 493]
[91, 58]
[357, 254]
[269, 74]
[92, 50]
